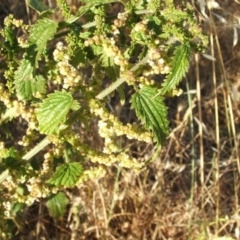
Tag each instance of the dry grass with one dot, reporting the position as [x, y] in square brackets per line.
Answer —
[192, 190]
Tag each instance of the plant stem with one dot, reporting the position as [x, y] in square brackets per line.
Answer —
[28, 156]
[100, 96]
[120, 80]
[36, 149]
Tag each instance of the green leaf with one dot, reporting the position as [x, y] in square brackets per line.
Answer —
[53, 111]
[57, 205]
[38, 6]
[75, 105]
[40, 85]
[17, 207]
[67, 175]
[27, 88]
[79, 57]
[89, 4]
[10, 37]
[174, 14]
[41, 8]
[4, 174]
[27, 85]
[180, 64]
[150, 108]
[41, 32]
[8, 115]
[25, 71]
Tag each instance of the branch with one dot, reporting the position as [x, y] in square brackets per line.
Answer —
[100, 96]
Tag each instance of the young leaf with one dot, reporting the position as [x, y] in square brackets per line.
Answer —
[26, 85]
[151, 110]
[67, 175]
[41, 32]
[57, 205]
[53, 111]
[180, 65]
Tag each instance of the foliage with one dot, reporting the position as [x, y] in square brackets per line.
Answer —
[57, 204]
[151, 109]
[66, 175]
[53, 111]
[56, 90]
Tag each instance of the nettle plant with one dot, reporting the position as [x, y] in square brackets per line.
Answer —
[58, 76]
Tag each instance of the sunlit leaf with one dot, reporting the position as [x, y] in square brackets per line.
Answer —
[180, 64]
[26, 84]
[67, 175]
[53, 111]
[41, 32]
[150, 108]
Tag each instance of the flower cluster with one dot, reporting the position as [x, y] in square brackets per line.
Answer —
[109, 128]
[93, 173]
[111, 125]
[123, 159]
[156, 61]
[10, 20]
[70, 75]
[18, 108]
[38, 188]
[134, 48]
[119, 22]
[102, 158]
[109, 50]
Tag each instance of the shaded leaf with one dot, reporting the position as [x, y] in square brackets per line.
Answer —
[89, 4]
[67, 175]
[53, 111]
[150, 108]
[57, 205]
[17, 207]
[38, 6]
